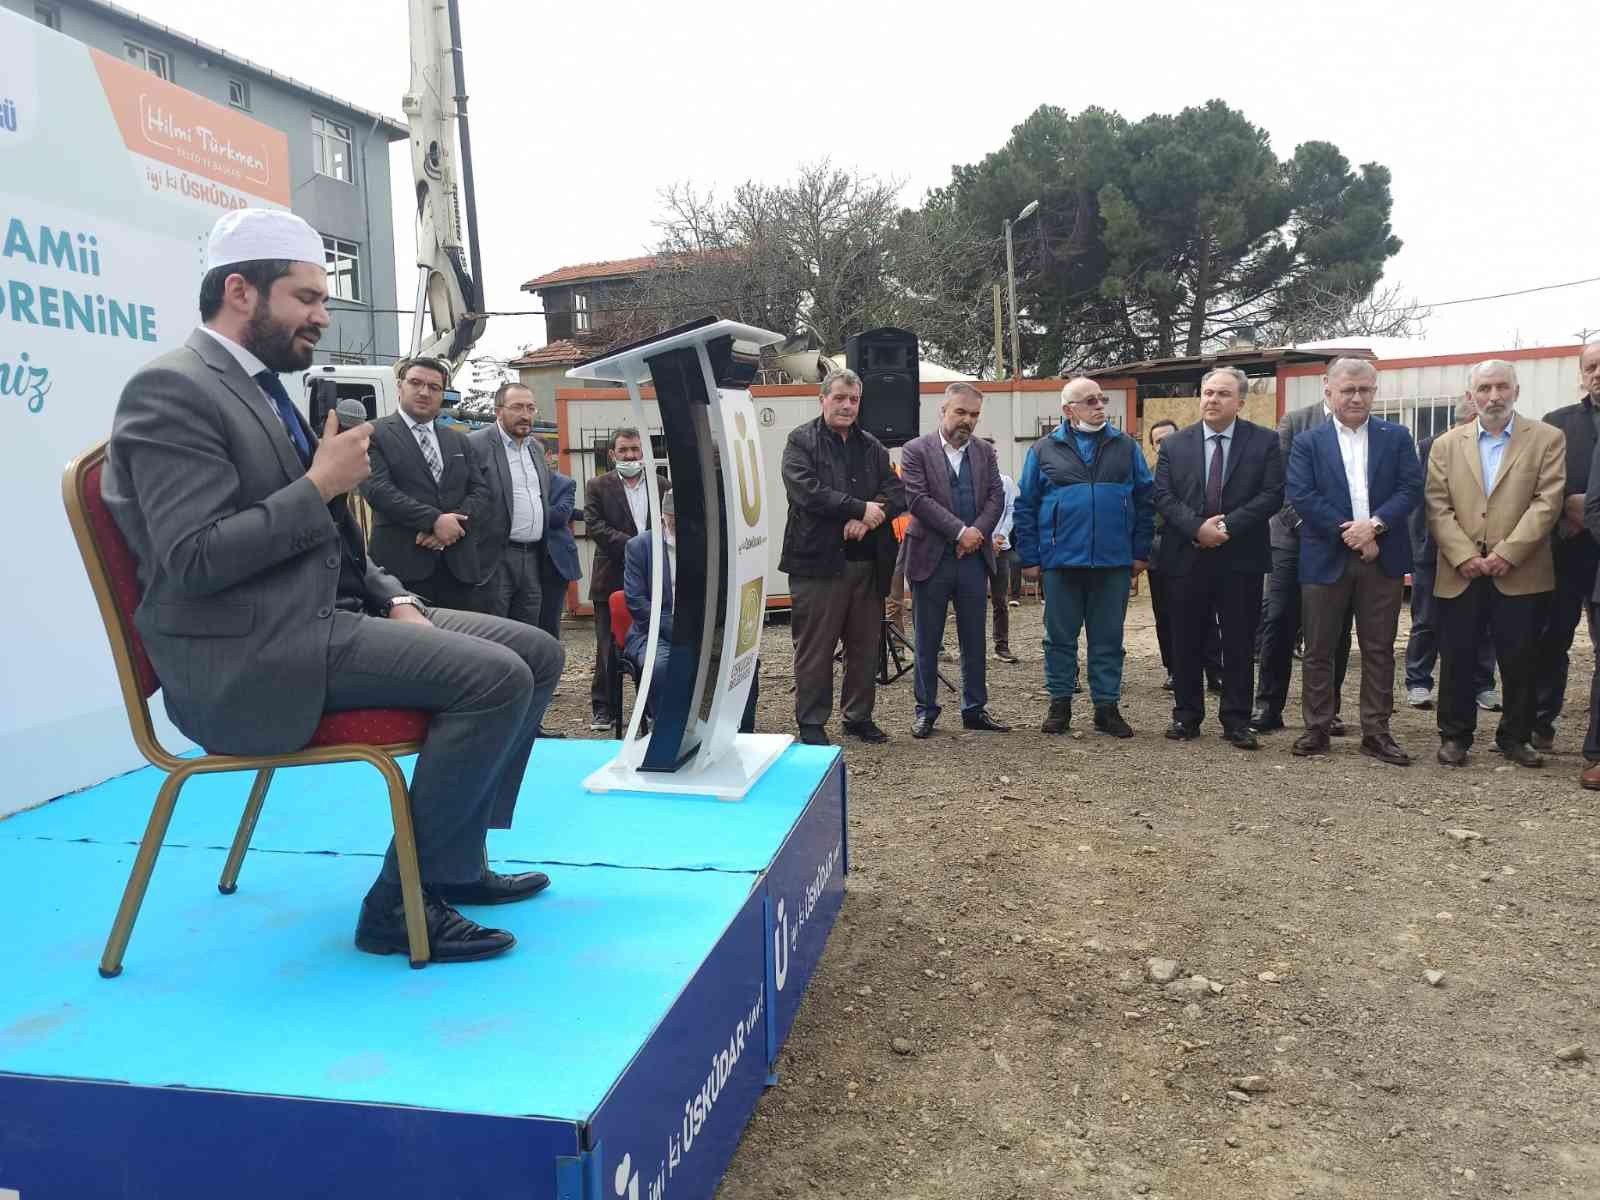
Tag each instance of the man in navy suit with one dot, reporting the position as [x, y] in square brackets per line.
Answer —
[561, 564]
[953, 488]
[1353, 481]
[1217, 483]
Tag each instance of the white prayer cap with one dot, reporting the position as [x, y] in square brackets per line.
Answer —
[248, 234]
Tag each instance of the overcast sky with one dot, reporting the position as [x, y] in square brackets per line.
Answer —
[581, 113]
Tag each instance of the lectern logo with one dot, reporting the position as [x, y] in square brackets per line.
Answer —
[749, 480]
[751, 598]
[627, 1179]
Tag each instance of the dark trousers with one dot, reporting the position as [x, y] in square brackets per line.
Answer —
[552, 597]
[1575, 572]
[1422, 647]
[965, 581]
[515, 590]
[444, 590]
[1280, 630]
[999, 591]
[1230, 600]
[1515, 623]
[747, 722]
[823, 612]
[487, 681]
[1161, 609]
[604, 648]
[1014, 572]
[1376, 598]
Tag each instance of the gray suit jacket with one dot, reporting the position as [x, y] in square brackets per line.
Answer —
[934, 527]
[493, 523]
[238, 555]
[1285, 523]
[406, 501]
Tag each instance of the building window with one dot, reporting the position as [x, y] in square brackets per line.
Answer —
[48, 15]
[344, 268]
[154, 61]
[331, 149]
[580, 312]
[239, 94]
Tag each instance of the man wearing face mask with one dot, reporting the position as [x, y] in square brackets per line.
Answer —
[1085, 517]
[616, 506]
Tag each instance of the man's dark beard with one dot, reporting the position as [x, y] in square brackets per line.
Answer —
[273, 343]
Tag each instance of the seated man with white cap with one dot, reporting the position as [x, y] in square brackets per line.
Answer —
[261, 610]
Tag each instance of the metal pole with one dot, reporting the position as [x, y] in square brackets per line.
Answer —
[1011, 284]
[999, 338]
[466, 153]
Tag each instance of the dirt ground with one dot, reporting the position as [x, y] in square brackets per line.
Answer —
[1007, 892]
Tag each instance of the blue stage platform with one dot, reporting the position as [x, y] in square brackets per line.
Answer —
[249, 1050]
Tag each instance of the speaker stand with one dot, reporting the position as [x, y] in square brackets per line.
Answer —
[896, 656]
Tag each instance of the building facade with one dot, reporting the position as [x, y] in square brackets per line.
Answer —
[338, 157]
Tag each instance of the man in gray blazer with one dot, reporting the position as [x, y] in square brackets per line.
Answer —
[514, 519]
[952, 483]
[261, 610]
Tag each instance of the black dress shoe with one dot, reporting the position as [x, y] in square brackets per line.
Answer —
[1337, 728]
[1166, 684]
[1384, 748]
[1543, 739]
[548, 733]
[494, 888]
[1452, 754]
[1242, 738]
[1003, 653]
[922, 727]
[1264, 722]
[814, 735]
[451, 937]
[1179, 732]
[867, 731]
[1312, 741]
[979, 718]
[1214, 686]
[1108, 719]
[1522, 754]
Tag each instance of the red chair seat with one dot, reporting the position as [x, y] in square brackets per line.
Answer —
[371, 727]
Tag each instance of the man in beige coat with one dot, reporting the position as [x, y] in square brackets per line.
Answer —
[1493, 493]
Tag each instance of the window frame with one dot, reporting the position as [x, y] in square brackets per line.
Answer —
[326, 129]
[582, 314]
[243, 88]
[48, 15]
[334, 249]
[148, 56]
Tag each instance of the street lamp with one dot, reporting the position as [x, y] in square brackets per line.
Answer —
[1011, 283]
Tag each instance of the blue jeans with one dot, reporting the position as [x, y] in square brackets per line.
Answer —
[1075, 598]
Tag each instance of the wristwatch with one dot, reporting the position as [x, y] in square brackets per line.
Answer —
[414, 601]
[1379, 526]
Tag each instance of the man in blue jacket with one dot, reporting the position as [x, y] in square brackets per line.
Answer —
[1085, 515]
[1353, 480]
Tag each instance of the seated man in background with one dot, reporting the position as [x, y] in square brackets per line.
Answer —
[636, 566]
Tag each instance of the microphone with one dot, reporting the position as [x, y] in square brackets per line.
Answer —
[351, 413]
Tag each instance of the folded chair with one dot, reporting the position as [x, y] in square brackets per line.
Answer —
[371, 735]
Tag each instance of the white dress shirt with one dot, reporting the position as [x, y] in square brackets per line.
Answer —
[427, 427]
[638, 502]
[527, 505]
[1008, 514]
[249, 363]
[954, 455]
[1353, 450]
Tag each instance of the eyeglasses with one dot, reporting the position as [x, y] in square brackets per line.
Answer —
[433, 389]
[1090, 401]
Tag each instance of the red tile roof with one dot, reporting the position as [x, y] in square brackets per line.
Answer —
[615, 268]
[565, 353]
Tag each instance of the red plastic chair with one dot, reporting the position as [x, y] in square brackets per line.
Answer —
[621, 623]
[372, 735]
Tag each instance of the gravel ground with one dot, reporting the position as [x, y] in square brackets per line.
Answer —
[1008, 894]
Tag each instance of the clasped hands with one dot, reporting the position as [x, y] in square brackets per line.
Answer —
[1491, 564]
[449, 529]
[855, 530]
[1362, 537]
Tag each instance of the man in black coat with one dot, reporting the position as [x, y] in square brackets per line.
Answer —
[1576, 553]
[1217, 484]
[425, 490]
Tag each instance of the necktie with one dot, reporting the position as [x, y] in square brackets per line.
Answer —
[273, 387]
[1214, 479]
[430, 452]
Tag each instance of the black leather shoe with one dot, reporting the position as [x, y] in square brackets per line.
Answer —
[1059, 718]
[1312, 741]
[980, 719]
[1522, 754]
[1543, 739]
[1452, 754]
[1337, 728]
[1214, 686]
[1108, 719]
[494, 888]
[1003, 653]
[1264, 722]
[814, 735]
[1384, 748]
[548, 733]
[867, 731]
[1242, 738]
[922, 727]
[451, 937]
[1179, 732]
[1166, 684]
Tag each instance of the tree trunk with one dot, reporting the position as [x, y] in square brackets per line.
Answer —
[1197, 315]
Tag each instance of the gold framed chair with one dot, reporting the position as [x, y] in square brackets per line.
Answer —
[375, 735]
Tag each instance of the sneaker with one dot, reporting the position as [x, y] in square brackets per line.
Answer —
[1489, 700]
[1003, 653]
[1419, 697]
[1108, 720]
[600, 721]
[1059, 719]
[1013, 603]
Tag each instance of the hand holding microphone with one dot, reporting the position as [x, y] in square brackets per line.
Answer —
[340, 463]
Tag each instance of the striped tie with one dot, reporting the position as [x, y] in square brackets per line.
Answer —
[430, 452]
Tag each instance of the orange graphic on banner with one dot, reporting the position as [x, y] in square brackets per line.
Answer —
[210, 142]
